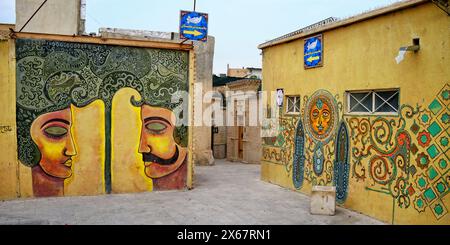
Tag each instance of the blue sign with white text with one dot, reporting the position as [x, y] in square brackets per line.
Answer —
[313, 52]
[193, 26]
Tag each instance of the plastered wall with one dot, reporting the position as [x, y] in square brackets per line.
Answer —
[92, 118]
[55, 17]
[394, 168]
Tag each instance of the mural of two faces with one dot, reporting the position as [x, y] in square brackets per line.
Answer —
[56, 80]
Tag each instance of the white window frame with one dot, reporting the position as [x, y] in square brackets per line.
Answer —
[373, 110]
[297, 97]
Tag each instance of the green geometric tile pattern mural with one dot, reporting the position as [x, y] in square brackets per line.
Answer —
[434, 129]
[432, 173]
[444, 118]
[444, 141]
[438, 209]
[419, 204]
[440, 187]
[445, 95]
[430, 195]
[435, 107]
[442, 164]
[433, 151]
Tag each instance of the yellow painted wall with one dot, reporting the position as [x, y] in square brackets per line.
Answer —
[127, 169]
[8, 162]
[88, 170]
[358, 57]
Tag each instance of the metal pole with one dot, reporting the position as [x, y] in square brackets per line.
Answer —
[195, 3]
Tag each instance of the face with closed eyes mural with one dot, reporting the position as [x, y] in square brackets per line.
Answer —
[51, 132]
[164, 159]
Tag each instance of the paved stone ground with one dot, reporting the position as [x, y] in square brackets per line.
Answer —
[227, 193]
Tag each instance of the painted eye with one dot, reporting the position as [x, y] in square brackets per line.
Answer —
[155, 127]
[55, 131]
[325, 114]
[315, 113]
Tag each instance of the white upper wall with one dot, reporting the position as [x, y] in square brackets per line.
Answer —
[55, 16]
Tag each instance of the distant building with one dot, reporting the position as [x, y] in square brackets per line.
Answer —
[240, 141]
[249, 72]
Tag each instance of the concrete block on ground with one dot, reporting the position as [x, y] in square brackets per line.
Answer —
[323, 200]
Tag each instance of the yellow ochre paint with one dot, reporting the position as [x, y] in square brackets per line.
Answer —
[88, 129]
[127, 166]
[361, 56]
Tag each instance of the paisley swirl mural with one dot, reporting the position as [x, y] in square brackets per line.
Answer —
[406, 157]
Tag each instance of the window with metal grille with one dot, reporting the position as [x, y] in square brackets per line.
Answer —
[373, 102]
[293, 104]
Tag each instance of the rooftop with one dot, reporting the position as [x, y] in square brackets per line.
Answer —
[220, 81]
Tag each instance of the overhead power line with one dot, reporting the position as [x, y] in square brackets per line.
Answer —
[35, 12]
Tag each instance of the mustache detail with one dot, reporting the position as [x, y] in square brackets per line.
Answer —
[149, 157]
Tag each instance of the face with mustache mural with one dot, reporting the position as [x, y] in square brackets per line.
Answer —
[163, 158]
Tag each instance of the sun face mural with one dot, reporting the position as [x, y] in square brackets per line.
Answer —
[53, 77]
[321, 116]
[321, 119]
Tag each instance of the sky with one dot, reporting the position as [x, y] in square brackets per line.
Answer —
[238, 26]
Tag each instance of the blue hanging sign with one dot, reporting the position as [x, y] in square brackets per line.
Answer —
[313, 50]
[193, 26]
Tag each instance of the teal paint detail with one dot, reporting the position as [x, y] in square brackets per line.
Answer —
[422, 182]
[432, 173]
[438, 209]
[445, 94]
[433, 151]
[423, 161]
[280, 140]
[419, 203]
[424, 139]
[443, 163]
[445, 118]
[298, 164]
[434, 129]
[319, 104]
[440, 187]
[318, 159]
[444, 141]
[425, 118]
[435, 107]
[429, 194]
[341, 164]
